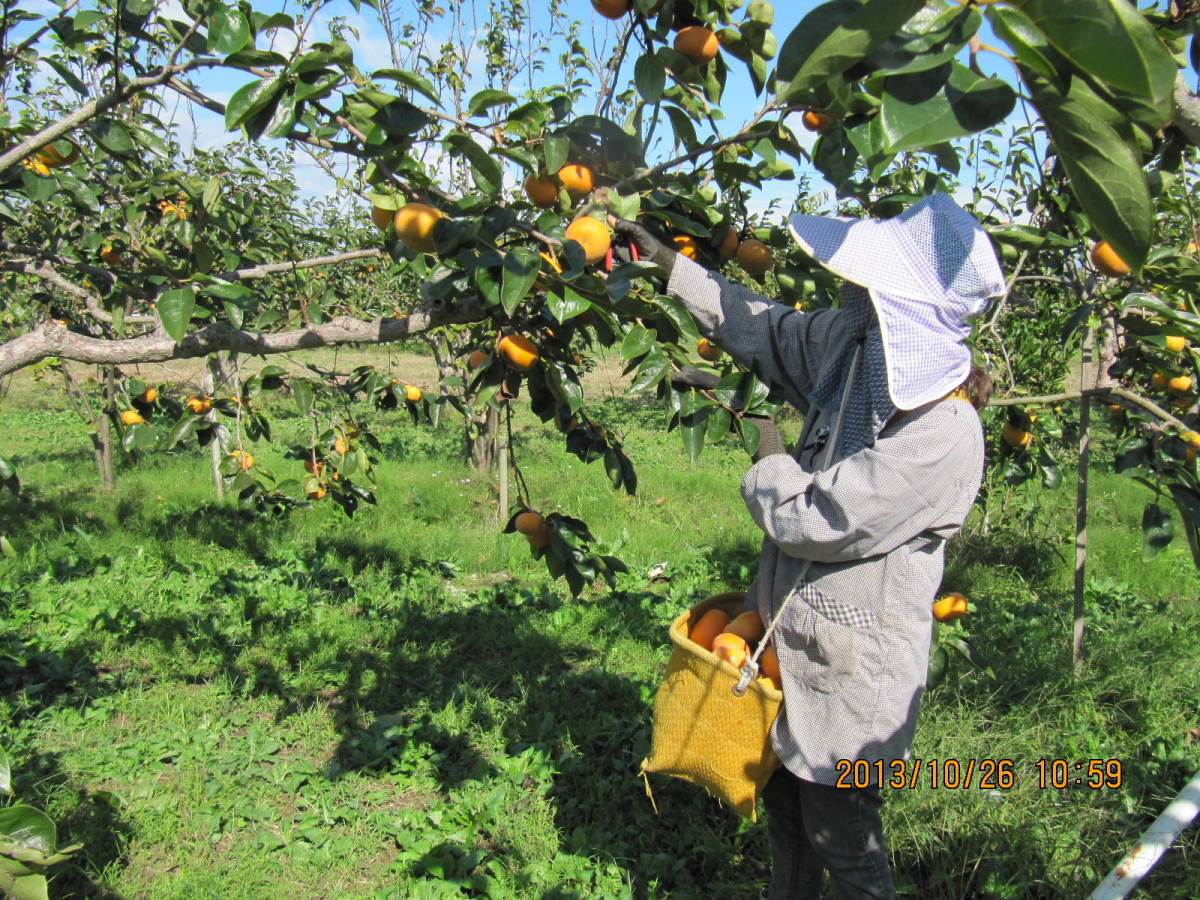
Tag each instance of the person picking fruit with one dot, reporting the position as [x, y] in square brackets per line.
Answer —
[852, 553]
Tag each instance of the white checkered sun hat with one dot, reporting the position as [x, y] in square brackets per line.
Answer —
[928, 271]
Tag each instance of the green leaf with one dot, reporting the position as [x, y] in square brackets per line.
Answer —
[638, 341]
[489, 286]
[418, 83]
[302, 392]
[1158, 528]
[27, 829]
[1187, 500]
[931, 37]
[761, 12]
[964, 649]
[565, 388]
[682, 127]
[18, 886]
[692, 428]
[1110, 40]
[212, 191]
[175, 309]
[555, 149]
[718, 425]
[5, 772]
[612, 466]
[566, 303]
[938, 661]
[65, 74]
[228, 31]
[113, 136]
[749, 434]
[1024, 39]
[486, 99]
[250, 99]
[1106, 176]
[36, 187]
[834, 155]
[323, 86]
[653, 369]
[521, 268]
[650, 77]
[936, 105]
[487, 170]
[679, 316]
[249, 58]
[1029, 237]
[283, 119]
[835, 36]
[400, 118]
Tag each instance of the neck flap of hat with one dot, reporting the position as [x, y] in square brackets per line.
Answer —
[870, 405]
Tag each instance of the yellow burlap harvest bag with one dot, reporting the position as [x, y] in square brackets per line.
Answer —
[705, 734]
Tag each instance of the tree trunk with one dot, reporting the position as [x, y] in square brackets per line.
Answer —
[98, 428]
[481, 439]
[215, 382]
[1092, 371]
[104, 430]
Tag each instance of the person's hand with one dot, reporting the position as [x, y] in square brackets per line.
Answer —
[649, 247]
[691, 377]
[770, 441]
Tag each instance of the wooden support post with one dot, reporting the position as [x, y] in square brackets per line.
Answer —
[1081, 535]
[502, 474]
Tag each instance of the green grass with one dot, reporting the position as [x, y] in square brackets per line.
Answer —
[403, 705]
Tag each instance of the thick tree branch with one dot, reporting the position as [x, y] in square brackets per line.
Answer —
[91, 300]
[1187, 111]
[50, 275]
[56, 130]
[51, 339]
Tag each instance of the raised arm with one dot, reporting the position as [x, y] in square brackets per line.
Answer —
[782, 345]
[912, 481]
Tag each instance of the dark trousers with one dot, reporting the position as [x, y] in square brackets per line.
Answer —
[814, 827]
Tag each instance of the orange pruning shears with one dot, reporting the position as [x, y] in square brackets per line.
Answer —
[634, 256]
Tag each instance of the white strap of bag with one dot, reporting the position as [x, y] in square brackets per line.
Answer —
[749, 669]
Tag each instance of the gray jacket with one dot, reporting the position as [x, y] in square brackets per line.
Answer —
[854, 642]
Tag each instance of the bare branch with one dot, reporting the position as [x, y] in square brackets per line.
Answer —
[33, 38]
[738, 138]
[1187, 111]
[311, 263]
[55, 130]
[90, 299]
[1100, 393]
[52, 339]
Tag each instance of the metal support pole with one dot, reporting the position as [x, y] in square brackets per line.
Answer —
[1156, 840]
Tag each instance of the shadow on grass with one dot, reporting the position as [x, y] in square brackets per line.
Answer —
[93, 820]
[432, 649]
[981, 865]
[1033, 559]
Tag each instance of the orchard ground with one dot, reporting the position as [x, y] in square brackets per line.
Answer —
[405, 705]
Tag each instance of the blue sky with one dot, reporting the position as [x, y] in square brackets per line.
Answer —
[372, 52]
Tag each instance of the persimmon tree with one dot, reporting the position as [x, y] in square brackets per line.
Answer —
[482, 193]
